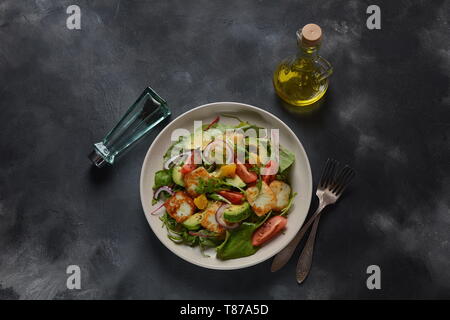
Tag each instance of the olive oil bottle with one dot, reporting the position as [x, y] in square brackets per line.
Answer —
[303, 79]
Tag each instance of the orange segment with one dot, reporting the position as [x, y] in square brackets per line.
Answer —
[228, 170]
[201, 202]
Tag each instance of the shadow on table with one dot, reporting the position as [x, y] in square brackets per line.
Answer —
[312, 112]
[99, 176]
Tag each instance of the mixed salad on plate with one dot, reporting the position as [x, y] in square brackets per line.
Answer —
[224, 188]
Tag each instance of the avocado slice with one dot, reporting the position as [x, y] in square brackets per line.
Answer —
[235, 182]
[177, 176]
[193, 222]
[237, 212]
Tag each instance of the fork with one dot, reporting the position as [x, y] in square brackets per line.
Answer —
[328, 191]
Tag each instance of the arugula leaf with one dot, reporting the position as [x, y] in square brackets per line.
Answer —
[168, 153]
[248, 126]
[226, 185]
[220, 126]
[233, 117]
[283, 176]
[209, 239]
[180, 235]
[218, 197]
[210, 185]
[259, 184]
[171, 225]
[255, 169]
[288, 207]
[243, 125]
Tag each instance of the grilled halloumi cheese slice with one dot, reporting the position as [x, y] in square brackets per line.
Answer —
[209, 221]
[261, 201]
[180, 206]
[282, 193]
[192, 180]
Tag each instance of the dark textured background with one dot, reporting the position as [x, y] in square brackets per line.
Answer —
[386, 114]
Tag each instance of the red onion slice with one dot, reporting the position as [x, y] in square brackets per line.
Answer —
[164, 188]
[177, 159]
[192, 233]
[229, 152]
[213, 122]
[221, 221]
[157, 206]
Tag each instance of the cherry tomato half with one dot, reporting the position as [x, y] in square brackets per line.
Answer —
[268, 230]
[189, 165]
[273, 167]
[268, 179]
[232, 196]
[244, 174]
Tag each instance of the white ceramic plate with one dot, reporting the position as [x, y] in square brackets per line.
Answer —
[300, 180]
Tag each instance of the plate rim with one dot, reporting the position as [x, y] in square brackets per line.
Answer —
[237, 104]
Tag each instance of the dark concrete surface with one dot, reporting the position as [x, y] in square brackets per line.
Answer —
[386, 114]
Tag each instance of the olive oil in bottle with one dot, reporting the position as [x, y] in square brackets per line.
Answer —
[303, 79]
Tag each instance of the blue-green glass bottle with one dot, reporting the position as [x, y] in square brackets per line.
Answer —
[148, 110]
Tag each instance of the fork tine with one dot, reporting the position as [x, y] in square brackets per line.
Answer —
[343, 180]
[343, 176]
[324, 173]
[327, 173]
[350, 178]
[332, 177]
[332, 173]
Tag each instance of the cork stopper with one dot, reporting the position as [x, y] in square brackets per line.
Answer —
[310, 35]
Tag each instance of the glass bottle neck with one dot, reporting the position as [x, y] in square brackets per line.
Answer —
[309, 51]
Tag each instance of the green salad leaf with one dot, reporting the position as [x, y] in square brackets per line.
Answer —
[210, 185]
[287, 158]
[232, 116]
[218, 197]
[177, 144]
[288, 207]
[283, 176]
[163, 178]
[234, 243]
[238, 242]
[259, 183]
[181, 235]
